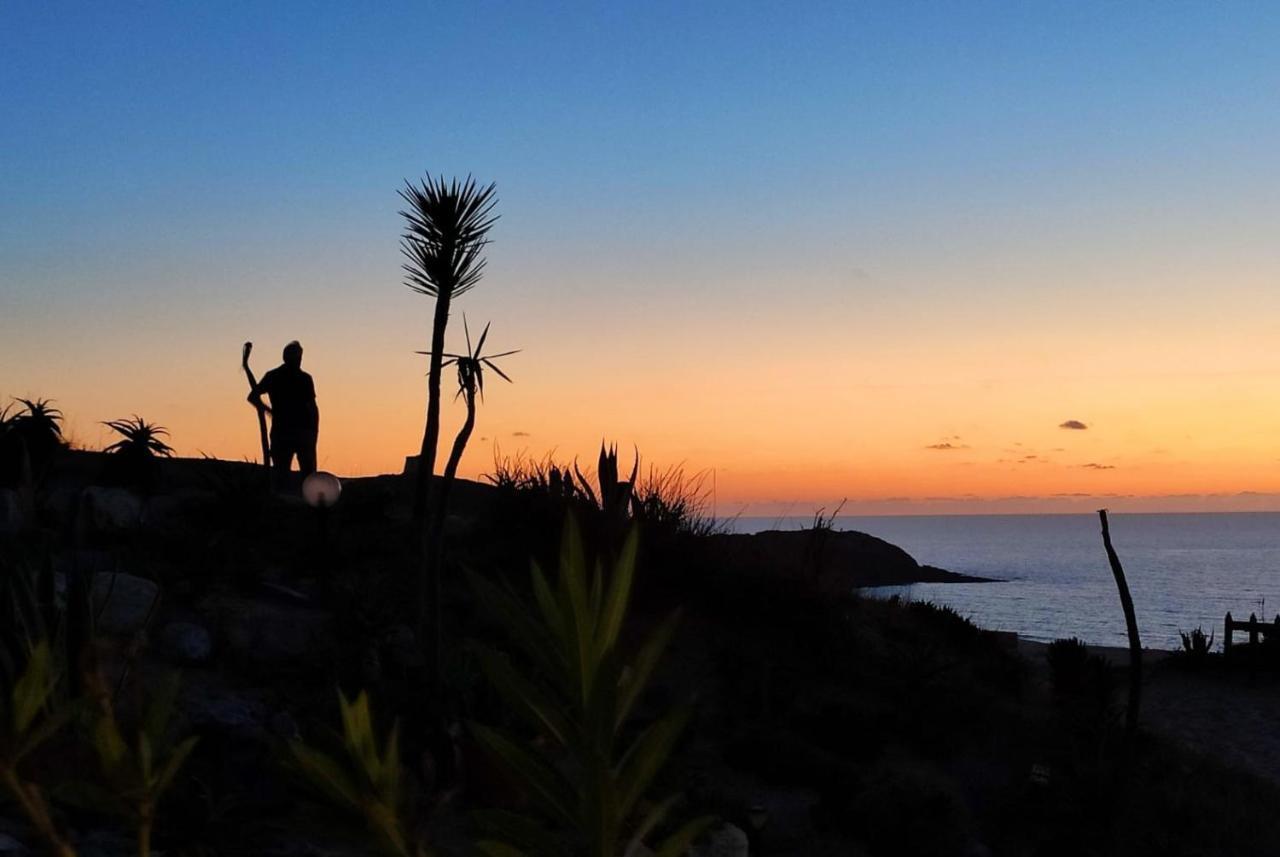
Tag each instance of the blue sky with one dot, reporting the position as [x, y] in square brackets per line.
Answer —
[177, 172]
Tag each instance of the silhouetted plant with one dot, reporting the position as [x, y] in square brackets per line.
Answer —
[668, 501]
[30, 438]
[612, 495]
[366, 781]
[139, 438]
[1196, 645]
[29, 720]
[135, 455]
[1068, 662]
[471, 368]
[585, 782]
[447, 227]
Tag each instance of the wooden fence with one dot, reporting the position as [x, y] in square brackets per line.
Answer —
[1253, 628]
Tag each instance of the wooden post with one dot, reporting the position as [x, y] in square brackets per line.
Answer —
[1253, 629]
[1227, 635]
[1131, 624]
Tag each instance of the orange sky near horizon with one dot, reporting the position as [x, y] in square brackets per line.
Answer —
[794, 410]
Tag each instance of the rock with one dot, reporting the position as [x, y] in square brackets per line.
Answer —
[186, 643]
[269, 635]
[402, 649]
[727, 840]
[112, 509]
[122, 602]
[830, 562]
[283, 725]
[230, 713]
[10, 847]
[11, 518]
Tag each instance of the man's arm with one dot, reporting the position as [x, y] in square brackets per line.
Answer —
[255, 395]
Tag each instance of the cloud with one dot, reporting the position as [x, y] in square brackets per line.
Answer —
[1095, 466]
[947, 445]
[521, 434]
[1074, 425]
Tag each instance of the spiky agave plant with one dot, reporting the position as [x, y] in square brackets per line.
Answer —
[587, 780]
[471, 366]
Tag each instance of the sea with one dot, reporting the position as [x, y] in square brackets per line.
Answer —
[1184, 570]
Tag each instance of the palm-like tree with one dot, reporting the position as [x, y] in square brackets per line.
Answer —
[447, 227]
[447, 224]
[471, 366]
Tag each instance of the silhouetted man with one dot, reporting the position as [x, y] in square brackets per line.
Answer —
[295, 419]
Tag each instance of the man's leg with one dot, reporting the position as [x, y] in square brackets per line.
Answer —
[307, 457]
[281, 460]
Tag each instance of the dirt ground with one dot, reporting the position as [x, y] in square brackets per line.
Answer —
[1228, 715]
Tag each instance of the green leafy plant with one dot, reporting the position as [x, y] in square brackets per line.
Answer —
[136, 774]
[365, 781]
[586, 776]
[30, 720]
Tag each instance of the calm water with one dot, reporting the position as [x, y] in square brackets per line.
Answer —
[1184, 570]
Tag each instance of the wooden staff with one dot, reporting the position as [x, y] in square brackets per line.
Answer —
[260, 408]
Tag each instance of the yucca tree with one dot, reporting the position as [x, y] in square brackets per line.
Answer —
[471, 366]
[447, 227]
[587, 779]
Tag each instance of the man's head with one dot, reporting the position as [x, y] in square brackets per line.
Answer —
[293, 354]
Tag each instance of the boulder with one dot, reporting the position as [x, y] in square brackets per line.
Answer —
[11, 518]
[11, 847]
[828, 561]
[727, 840]
[112, 509]
[123, 603]
[269, 635]
[186, 643]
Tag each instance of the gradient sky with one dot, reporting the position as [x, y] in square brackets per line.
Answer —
[800, 244]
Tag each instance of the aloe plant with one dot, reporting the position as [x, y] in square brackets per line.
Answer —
[367, 781]
[139, 438]
[29, 720]
[29, 439]
[588, 788]
[136, 773]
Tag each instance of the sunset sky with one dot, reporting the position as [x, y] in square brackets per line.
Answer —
[875, 251]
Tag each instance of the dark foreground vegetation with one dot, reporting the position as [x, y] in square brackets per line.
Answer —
[191, 665]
